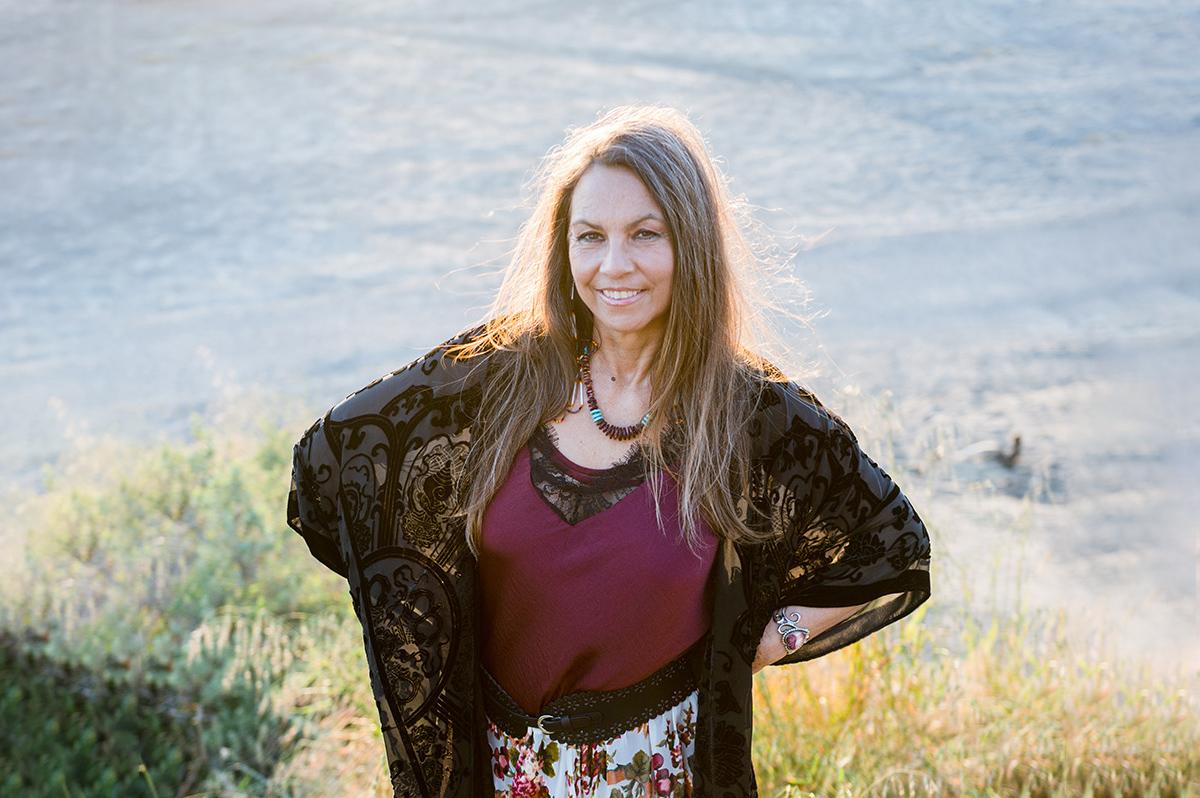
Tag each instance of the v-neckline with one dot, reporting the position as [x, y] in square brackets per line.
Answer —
[547, 434]
[575, 492]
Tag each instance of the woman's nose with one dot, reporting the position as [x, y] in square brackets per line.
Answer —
[616, 260]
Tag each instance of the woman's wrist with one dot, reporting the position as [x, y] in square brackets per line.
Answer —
[770, 649]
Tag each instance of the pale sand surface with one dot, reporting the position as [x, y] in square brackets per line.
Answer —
[304, 196]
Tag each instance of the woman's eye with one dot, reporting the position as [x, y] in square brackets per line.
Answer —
[592, 235]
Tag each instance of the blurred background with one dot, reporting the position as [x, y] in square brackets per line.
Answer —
[227, 207]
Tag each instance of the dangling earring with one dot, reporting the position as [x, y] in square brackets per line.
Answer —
[578, 395]
[578, 391]
[574, 317]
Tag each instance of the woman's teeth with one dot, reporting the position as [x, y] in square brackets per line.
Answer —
[620, 294]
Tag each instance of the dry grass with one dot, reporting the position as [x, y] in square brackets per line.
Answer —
[1018, 713]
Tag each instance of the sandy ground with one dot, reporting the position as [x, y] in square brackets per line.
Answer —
[996, 210]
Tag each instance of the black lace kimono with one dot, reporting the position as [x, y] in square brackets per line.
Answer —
[371, 496]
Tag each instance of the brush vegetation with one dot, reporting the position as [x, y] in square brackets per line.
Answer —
[164, 633]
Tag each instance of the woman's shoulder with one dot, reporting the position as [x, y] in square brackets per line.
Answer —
[784, 406]
[447, 368]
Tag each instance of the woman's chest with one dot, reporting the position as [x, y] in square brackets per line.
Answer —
[551, 523]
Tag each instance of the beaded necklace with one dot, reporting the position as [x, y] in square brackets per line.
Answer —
[611, 430]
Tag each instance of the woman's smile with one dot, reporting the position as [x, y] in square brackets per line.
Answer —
[620, 297]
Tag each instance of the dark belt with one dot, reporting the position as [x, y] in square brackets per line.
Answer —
[591, 716]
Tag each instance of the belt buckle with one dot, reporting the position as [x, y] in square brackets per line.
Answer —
[542, 719]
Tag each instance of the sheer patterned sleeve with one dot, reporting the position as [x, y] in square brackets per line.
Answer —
[312, 499]
[850, 536]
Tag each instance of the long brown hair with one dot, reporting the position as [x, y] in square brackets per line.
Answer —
[702, 385]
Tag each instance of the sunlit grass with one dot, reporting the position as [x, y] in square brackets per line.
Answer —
[1019, 713]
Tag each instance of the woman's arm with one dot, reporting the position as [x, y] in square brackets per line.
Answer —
[815, 619]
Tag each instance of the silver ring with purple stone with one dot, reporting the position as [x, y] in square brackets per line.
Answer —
[791, 632]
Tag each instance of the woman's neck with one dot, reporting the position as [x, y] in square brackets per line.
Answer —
[627, 359]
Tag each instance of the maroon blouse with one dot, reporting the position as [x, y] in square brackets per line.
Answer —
[580, 589]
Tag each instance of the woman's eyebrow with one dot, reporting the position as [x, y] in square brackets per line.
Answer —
[639, 220]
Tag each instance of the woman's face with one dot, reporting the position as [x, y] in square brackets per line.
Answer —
[622, 259]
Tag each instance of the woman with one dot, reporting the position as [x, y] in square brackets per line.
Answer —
[573, 532]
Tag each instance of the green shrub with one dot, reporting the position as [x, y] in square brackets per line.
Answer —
[129, 567]
[159, 630]
[70, 730]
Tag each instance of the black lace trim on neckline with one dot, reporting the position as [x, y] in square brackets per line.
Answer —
[628, 469]
[574, 498]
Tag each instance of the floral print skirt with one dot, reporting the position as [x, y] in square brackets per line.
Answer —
[653, 759]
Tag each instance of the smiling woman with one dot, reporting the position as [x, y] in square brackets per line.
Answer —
[565, 603]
